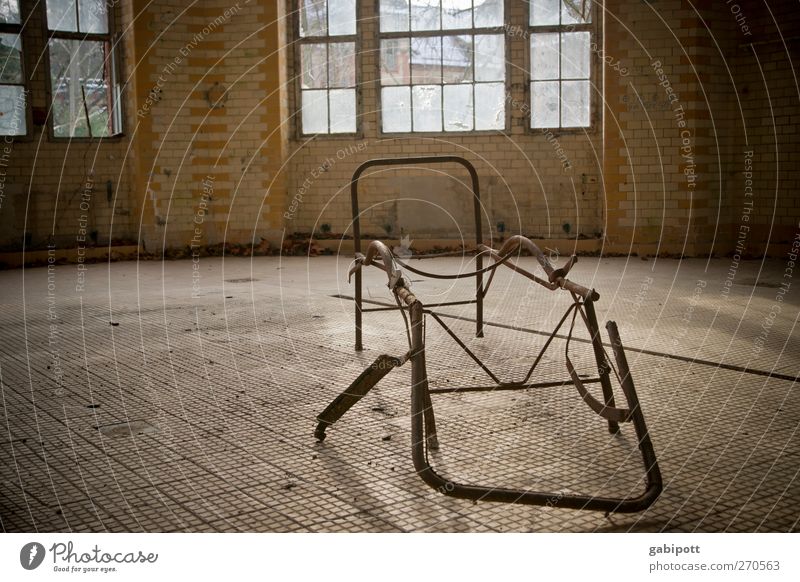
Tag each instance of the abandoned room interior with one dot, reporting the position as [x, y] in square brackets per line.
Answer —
[399, 266]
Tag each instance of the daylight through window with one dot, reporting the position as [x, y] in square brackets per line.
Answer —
[328, 66]
[83, 71]
[13, 97]
[443, 65]
[560, 89]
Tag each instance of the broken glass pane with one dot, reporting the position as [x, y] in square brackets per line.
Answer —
[544, 12]
[576, 11]
[342, 17]
[575, 55]
[544, 56]
[490, 57]
[12, 110]
[77, 67]
[490, 106]
[456, 13]
[396, 109]
[9, 11]
[488, 13]
[315, 112]
[575, 104]
[395, 62]
[342, 64]
[457, 59]
[61, 15]
[427, 107]
[93, 16]
[394, 15]
[458, 107]
[315, 66]
[343, 110]
[10, 58]
[544, 104]
[425, 14]
[313, 18]
[426, 59]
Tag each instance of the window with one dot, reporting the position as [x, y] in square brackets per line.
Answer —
[327, 53]
[13, 97]
[443, 65]
[83, 71]
[560, 86]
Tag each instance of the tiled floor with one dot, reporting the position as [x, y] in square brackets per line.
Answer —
[224, 388]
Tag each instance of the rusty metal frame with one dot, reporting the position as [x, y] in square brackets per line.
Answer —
[476, 196]
[423, 423]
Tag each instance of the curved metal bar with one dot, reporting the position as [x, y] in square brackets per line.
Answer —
[491, 267]
[556, 276]
[476, 197]
[428, 474]
[516, 241]
[377, 248]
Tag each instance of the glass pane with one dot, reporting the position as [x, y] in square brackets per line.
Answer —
[490, 57]
[10, 58]
[488, 13]
[427, 107]
[544, 12]
[9, 12]
[342, 64]
[544, 56]
[98, 100]
[457, 59]
[342, 17]
[458, 107]
[575, 55]
[343, 110]
[314, 66]
[313, 18]
[395, 62]
[576, 11]
[394, 15]
[77, 68]
[93, 16]
[456, 13]
[426, 59]
[61, 15]
[315, 112]
[396, 109]
[12, 110]
[575, 104]
[425, 14]
[490, 106]
[544, 104]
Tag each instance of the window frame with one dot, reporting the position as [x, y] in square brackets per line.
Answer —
[595, 71]
[113, 38]
[297, 42]
[501, 30]
[10, 28]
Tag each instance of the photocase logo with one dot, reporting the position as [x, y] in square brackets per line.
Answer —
[31, 555]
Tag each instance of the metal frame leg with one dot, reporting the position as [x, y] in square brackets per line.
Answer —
[603, 366]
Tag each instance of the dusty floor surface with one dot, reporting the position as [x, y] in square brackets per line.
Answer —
[163, 397]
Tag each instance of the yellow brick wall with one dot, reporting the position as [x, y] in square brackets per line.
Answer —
[626, 184]
[208, 175]
[523, 181]
[46, 181]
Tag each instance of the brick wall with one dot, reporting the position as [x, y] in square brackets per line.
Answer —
[523, 180]
[46, 181]
[687, 96]
[209, 137]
